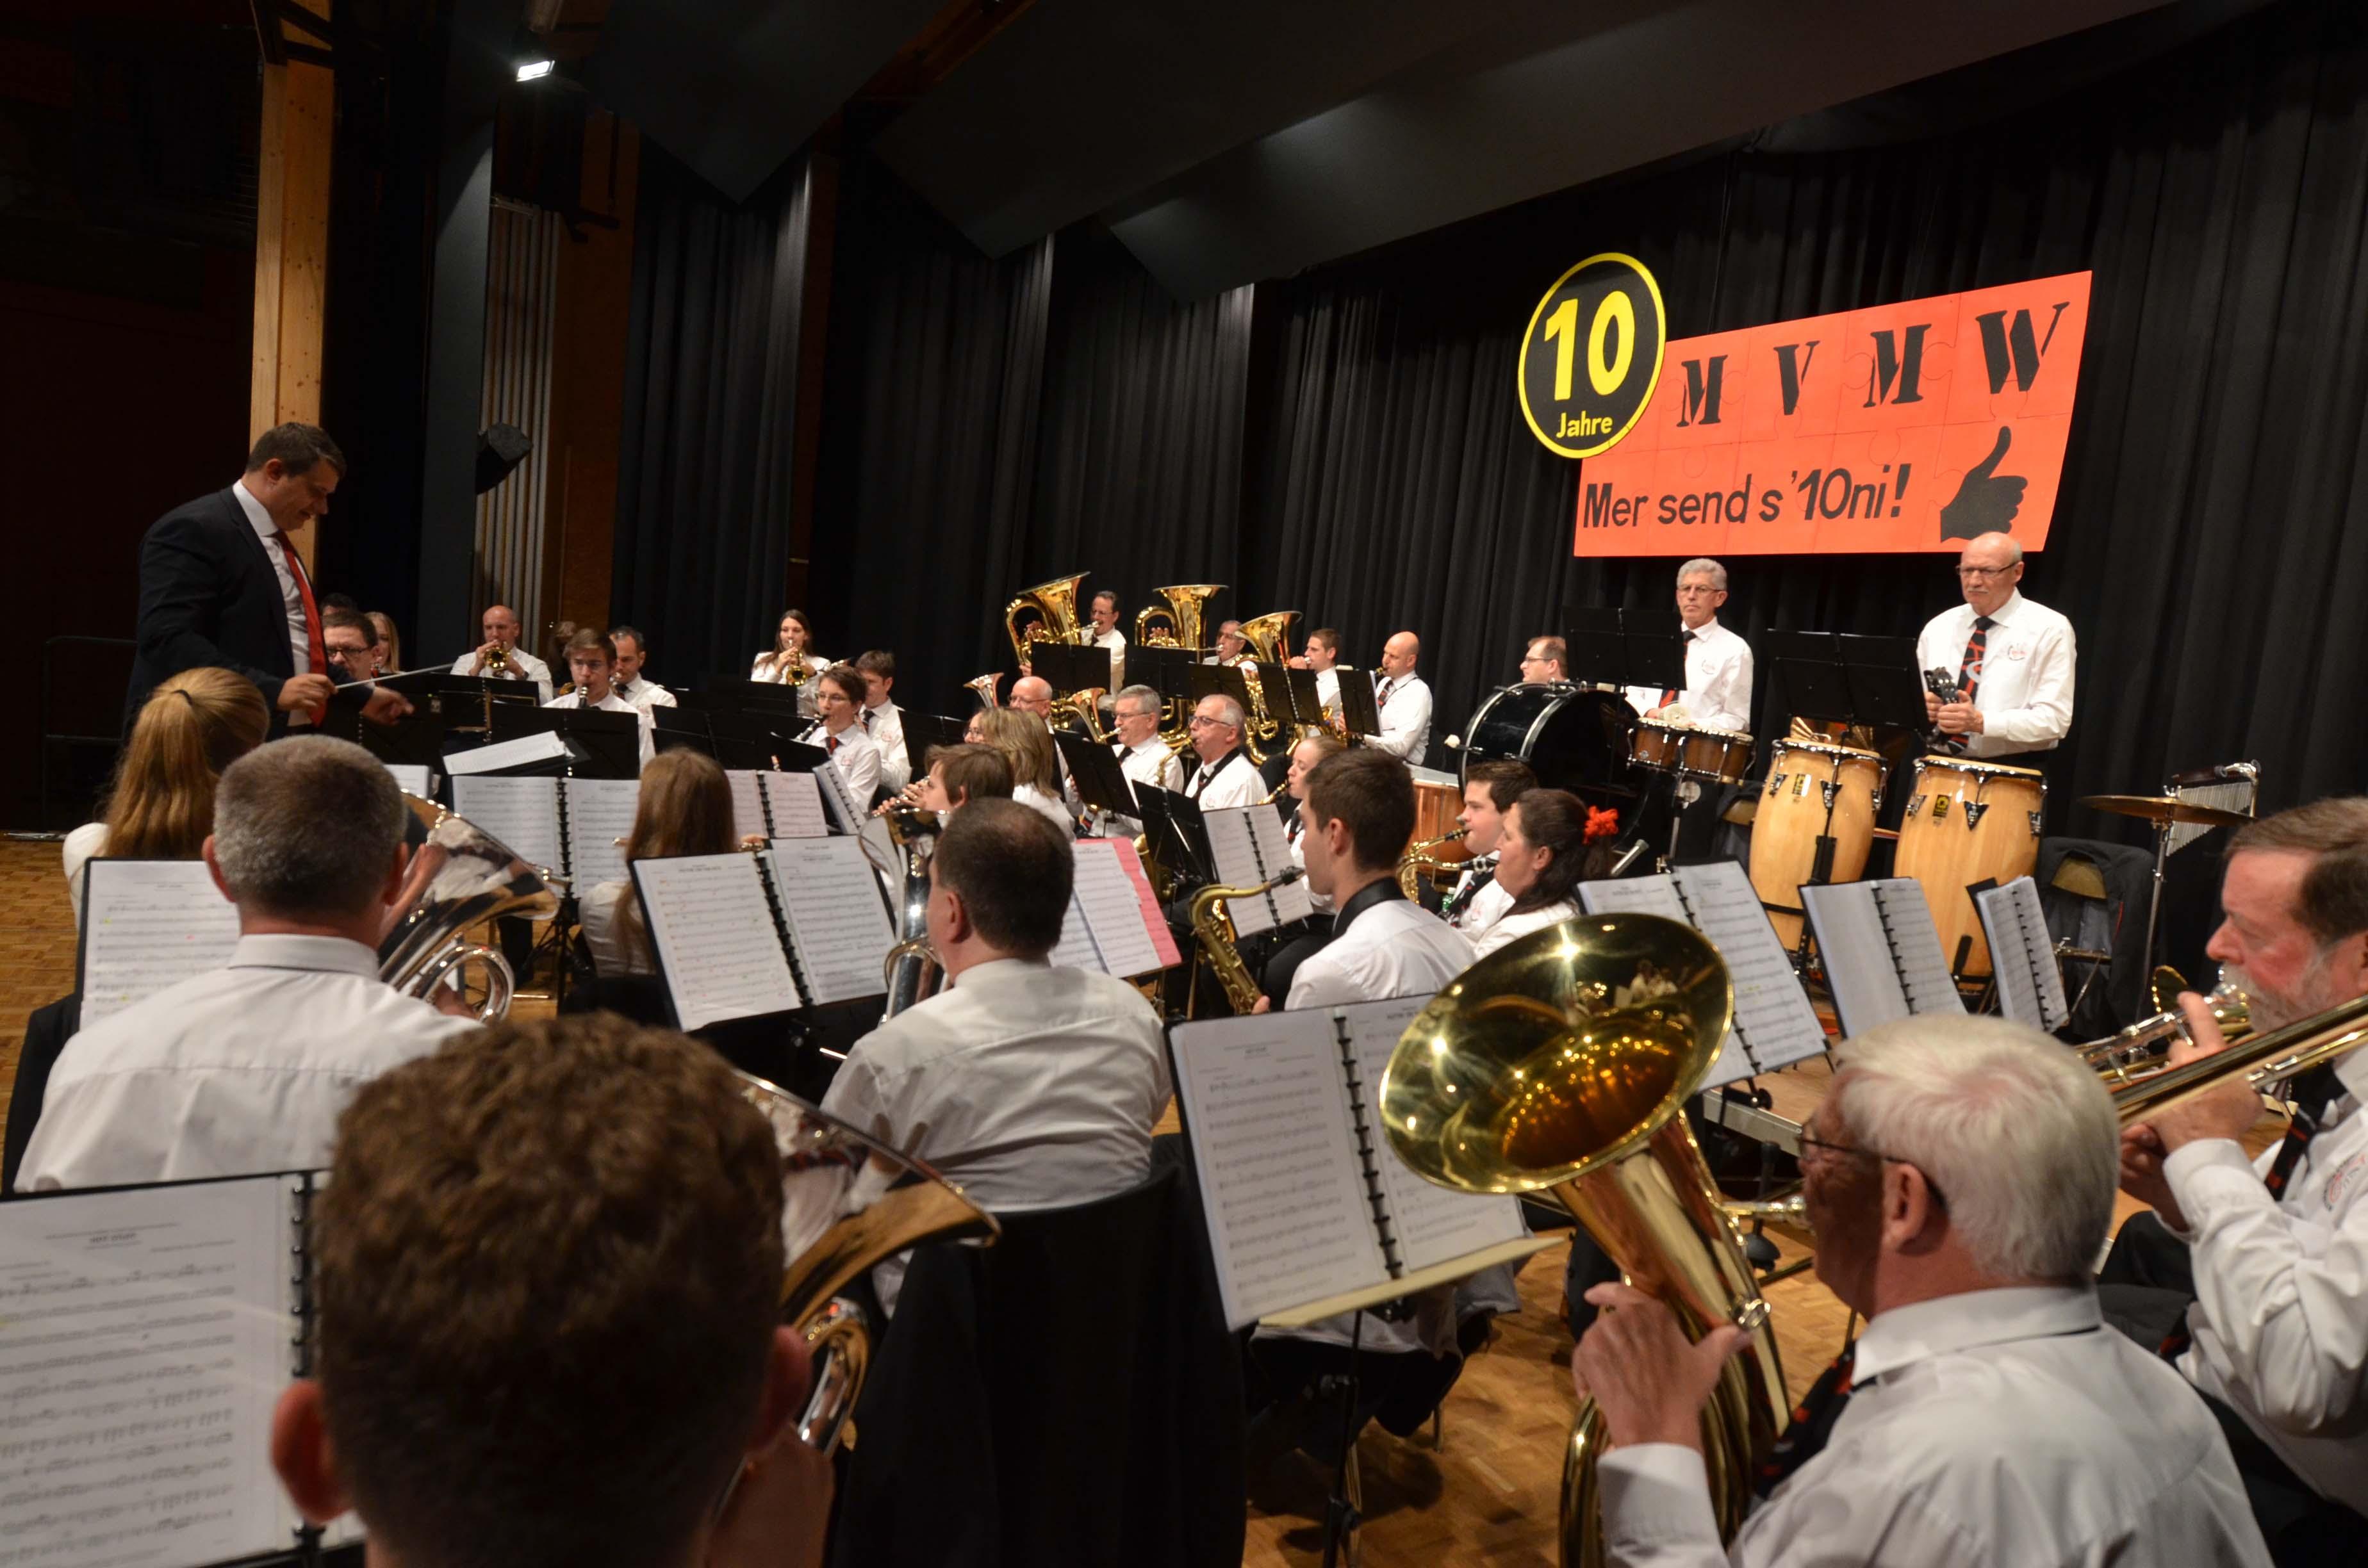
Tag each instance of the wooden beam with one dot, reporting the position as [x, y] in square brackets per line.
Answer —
[292, 248]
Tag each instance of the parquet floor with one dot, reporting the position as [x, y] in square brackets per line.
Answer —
[1488, 1495]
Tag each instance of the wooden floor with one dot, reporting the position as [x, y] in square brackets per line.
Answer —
[1488, 1495]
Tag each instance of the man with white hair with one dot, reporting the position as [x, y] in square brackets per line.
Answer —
[1959, 1175]
[1224, 776]
[2258, 1268]
[2011, 661]
[1717, 693]
[245, 1069]
[1403, 698]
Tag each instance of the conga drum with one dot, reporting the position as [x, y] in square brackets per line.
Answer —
[1806, 777]
[1968, 822]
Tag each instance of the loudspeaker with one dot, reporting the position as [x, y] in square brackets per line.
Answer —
[499, 450]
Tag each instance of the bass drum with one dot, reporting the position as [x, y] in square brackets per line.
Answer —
[1572, 738]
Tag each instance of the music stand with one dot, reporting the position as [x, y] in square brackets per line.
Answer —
[1073, 667]
[677, 729]
[1172, 827]
[1359, 712]
[1609, 646]
[600, 744]
[1221, 680]
[926, 733]
[1886, 687]
[1101, 784]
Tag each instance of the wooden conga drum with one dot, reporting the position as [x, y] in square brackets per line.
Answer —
[1968, 822]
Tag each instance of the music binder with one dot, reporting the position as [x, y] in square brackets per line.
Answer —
[147, 1332]
[2023, 952]
[1881, 951]
[801, 923]
[572, 826]
[1114, 924]
[766, 804]
[1247, 846]
[1774, 1025]
[1310, 1214]
[147, 925]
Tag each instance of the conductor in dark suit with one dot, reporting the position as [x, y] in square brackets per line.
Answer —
[220, 584]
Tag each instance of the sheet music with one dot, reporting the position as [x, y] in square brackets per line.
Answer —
[1658, 895]
[143, 1340]
[1280, 1181]
[715, 938]
[411, 778]
[1114, 914]
[2030, 987]
[1293, 901]
[544, 746]
[748, 802]
[1430, 1223]
[522, 812]
[1076, 948]
[1916, 947]
[148, 925]
[1775, 1025]
[1248, 845]
[599, 819]
[1856, 952]
[845, 817]
[796, 799]
[830, 896]
[1154, 919]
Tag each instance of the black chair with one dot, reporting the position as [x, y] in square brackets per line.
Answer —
[47, 1029]
[1069, 1395]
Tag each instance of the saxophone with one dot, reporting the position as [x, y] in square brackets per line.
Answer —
[1422, 857]
[1213, 925]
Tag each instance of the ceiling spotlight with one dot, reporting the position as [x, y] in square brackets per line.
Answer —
[535, 70]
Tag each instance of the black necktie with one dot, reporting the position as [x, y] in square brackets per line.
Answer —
[1474, 881]
[1813, 1423]
[1673, 693]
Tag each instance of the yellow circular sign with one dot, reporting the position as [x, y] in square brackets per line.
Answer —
[1592, 355]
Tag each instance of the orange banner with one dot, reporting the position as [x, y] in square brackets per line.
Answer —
[1903, 427]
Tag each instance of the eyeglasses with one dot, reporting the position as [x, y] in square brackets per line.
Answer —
[1982, 574]
[1204, 718]
[1832, 1150]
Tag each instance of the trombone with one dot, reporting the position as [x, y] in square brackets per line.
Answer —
[2134, 1052]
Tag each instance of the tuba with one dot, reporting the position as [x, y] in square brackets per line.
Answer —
[1213, 925]
[984, 687]
[1562, 1062]
[1185, 613]
[912, 970]
[462, 877]
[1054, 605]
[847, 1201]
[1270, 640]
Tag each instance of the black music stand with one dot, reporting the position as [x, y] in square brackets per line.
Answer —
[1101, 784]
[1221, 680]
[681, 729]
[1609, 646]
[1291, 693]
[1165, 670]
[926, 733]
[600, 744]
[1173, 828]
[1359, 711]
[1073, 667]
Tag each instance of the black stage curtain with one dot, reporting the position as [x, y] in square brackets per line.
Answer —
[989, 426]
[702, 535]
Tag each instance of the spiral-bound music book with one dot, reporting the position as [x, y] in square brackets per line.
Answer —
[145, 1332]
[147, 925]
[798, 923]
[1310, 1213]
[1774, 1026]
[573, 826]
[1247, 844]
[772, 804]
[1881, 951]
[2022, 955]
[1114, 924]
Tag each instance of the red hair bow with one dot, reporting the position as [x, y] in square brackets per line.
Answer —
[1601, 824]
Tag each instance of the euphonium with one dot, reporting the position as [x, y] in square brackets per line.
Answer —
[2260, 1061]
[1213, 923]
[847, 1202]
[460, 877]
[2124, 1056]
[911, 969]
[1056, 606]
[1184, 612]
[985, 686]
[1420, 858]
[1561, 1062]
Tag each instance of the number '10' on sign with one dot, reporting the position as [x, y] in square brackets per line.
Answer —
[1592, 355]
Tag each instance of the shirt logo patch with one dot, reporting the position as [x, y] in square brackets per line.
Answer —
[2018, 653]
[2345, 1178]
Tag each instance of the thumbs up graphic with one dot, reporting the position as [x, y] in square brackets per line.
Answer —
[1986, 501]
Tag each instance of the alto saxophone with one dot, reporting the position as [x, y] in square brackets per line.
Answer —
[1213, 923]
[1420, 858]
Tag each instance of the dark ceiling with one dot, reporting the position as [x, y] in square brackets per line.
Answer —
[1228, 141]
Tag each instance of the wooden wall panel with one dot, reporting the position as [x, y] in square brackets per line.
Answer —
[292, 249]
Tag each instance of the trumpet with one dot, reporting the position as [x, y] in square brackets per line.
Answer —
[498, 663]
[1213, 924]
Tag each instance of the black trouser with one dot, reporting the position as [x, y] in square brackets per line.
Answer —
[2144, 1289]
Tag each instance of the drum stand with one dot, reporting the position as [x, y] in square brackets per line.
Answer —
[2154, 902]
[1683, 793]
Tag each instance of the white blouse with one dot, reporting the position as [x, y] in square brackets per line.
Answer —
[83, 843]
[597, 913]
[1036, 799]
[1510, 927]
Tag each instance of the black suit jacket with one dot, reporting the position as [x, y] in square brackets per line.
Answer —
[209, 595]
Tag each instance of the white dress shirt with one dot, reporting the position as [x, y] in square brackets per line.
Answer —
[2281, 1313]
[1393, 949]
[233, 1072]
[885, 725]
[82, 844]
[771, 675]
[300, 636]
[523, 666]
[1047, 805]
[1993, 1427]
[1404, 704]
[1026, 1086]
[1328, 690]
[1294, 839]
[613, 703]
[1114, 642]
[1153, 763]
[647, 694]
[1503, 926]
[2025, 690]
[1717, 694]
[1231, 781]
[596, 915]
[858, 759]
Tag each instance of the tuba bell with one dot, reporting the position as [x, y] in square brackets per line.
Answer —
[1561, 1063]
[460, 877]
[913, 971]
[1055, 608]
[848, 1201]
[1270, 639]
[984, 687]
[1185, 613]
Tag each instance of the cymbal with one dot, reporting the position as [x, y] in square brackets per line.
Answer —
[2165, 809]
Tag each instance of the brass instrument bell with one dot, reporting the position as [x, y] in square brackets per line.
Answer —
[1054, 606]
[1185, 613]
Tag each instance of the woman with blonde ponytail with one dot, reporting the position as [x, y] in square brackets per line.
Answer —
[162, 806]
